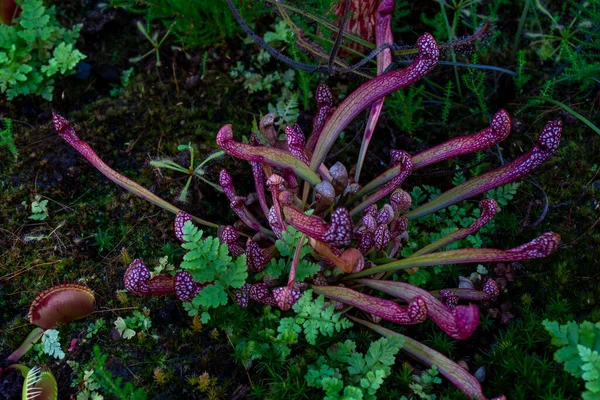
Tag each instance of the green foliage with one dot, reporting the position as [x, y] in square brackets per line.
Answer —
[94, 328]
[39, 209]
[196, 23]
[257, 77]
[125, 77]
[523, 350]
[287, 110]
[441, 342]
[35, 49]
[6, 138]
[348, 374]
[522, 77]
[580, 344]
[448, 91]
[287, 246]
[127, 327]
[89, 386]
[563, 33]
[405, 105]
[109, 384]
[51, 344]
[208, 261]
[448, 220]
[104, 239]
[424, 383]
[260, 340]
[313, 318]
[196, 168]
[474, 80]
[503, 194]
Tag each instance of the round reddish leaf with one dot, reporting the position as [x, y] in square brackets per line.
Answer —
[61, 304]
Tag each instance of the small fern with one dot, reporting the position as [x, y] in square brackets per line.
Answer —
[522, 78]
[475, 81]
[579, 352]
[109, 384]
[405, 106]
[287, 246]
[6, 137]
[287, 110]
[364, 373]
[447, 103]
[209, 262]
[312, 318]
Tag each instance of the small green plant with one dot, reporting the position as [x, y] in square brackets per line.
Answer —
[522, 77]
[423, 384]
[34, 50]
[90, 387]
[50, 345]
[348, 374]
[129, 326]
[407, 104]
[198, 23]
[94, 328]
[579, 352]
[196, 168]
[286, 246]
[104, 239]
[109, 384]
[474, 80]
[39, 209]
[156, 44]
[208, 261]
[287, 109]
[6, 137]
[125, 77]
[313, 318]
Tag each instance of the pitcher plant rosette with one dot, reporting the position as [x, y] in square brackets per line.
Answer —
[351, 226]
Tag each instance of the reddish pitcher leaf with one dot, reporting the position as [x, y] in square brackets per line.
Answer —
[540, 247]
[546, 146]
[414, 313]
[264, 154]
[459, 322]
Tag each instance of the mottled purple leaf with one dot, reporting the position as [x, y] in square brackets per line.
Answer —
[295, 142]
[414, 313]
[371, 91]
[459, 322]
[264, 154]
[498, 130]
[540, 247]
[488, 207]
[65, 131]
[324, 108]
[402, 159]
[185, 286]
[286, 296]
[490, 291]
[228, 235]
[338, 232]
[237, 203]
[180, 219]
[546, 146]
[257, 258]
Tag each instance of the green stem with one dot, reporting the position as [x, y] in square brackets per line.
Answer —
[520, 29]
[450, 37]
[570, 111]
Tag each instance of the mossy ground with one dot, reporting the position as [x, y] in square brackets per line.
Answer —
[91, 220]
